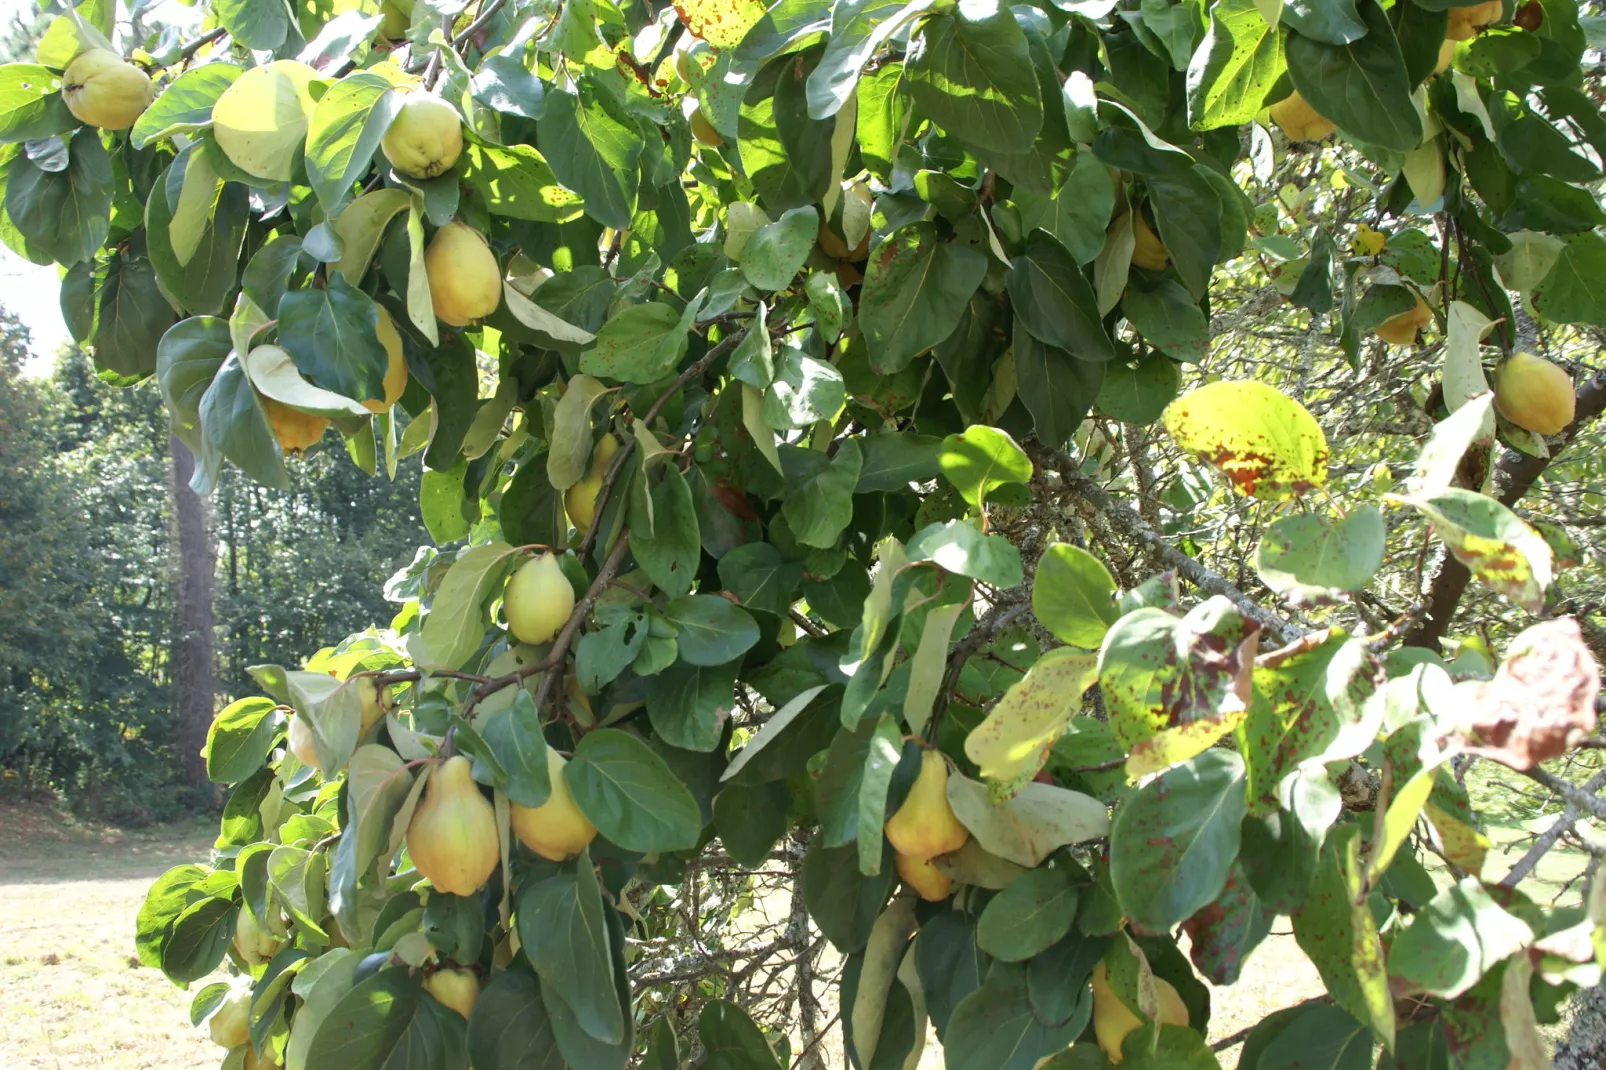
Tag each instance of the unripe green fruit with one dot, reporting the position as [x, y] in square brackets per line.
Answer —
[1534, 394]
[465, 282]
[452, 837]
[556, 829]
[255, 944]
[373, 702]
[454, 988]
[230, 1024]
[105, 90]
[537, 600]
[426, 137]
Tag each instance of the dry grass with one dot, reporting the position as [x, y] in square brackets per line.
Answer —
[71, 992]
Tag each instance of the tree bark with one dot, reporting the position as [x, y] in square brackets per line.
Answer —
[193, 673]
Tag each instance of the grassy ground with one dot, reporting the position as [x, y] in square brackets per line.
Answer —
[73, 995]
[71, 992]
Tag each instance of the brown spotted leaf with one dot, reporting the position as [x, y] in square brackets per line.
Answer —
[1267, 443]
[1173, 686]
[722, 23]
[1541, 702]
[1337, 932]
[1223, 933]
[1495, 544]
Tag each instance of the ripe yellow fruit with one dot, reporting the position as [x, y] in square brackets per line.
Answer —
[452, 837]
[373, 702]
[299, 740]
[1534, 394]
[255, 944]
[580, 500]
[103, 89]
[230, 1024]
[1299, 120]
[556, 829]
[395, 369]
[1465, 22]
[425, 138]
[1148, 251]
[537, 600]
[454, 988]
[1113, 1019]
[1401, 330]
[929, 882]
[925, 825]
[294, 430]
[703, 131]
[465, 282]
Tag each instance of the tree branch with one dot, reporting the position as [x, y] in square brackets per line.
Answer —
[1134, 526]
[1585, 800]
[1517, 473]
[1569, 817]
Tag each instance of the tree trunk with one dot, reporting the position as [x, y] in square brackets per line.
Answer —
[194, 676]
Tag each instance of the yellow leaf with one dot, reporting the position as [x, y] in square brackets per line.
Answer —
[1012, 744]
[1267, 443]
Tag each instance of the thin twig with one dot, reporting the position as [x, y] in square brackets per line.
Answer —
[201, 42]
[1551, 836]
[487, 13]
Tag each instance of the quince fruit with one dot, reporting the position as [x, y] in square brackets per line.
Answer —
[1113, 1019]
[1534, 394]
[537, 600]
[452, 837]
[294, 430]
[1148, 251]
[395, 369]
[454, 988]
[1299, 120]
[703, 131]
[930, 883]
[103, 89]
[230, 1024]
[255, 944]
[425, 138]
[1465, 22]
[580, 500]
[925, 825]
[556, 829]
[299, 740]
[1401, 330]
[465, 282]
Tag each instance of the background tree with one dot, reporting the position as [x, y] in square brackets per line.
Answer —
[969, 474]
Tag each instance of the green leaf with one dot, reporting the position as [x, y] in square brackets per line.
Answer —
[671, 555]
[915, 290]
[971, 71]
[1361, 85]
[895, 459]
[254, 25]
[858, 29]
[628, 792]
[819, 503]
[1028, 827]
[982, 459]
[962, 549]
[711, 631]
[66, 213]
[232, 425]
[841, 901]
[1494, 543]
[1266, 443]
[1029, 916]
[1566, 295]
[378, 783]
[1056, 388]
[31, 105]
[115, 306]
[1231, 73]
[1335, 928]
[1073, 595]
[1184, 824]
[1168, 318]
[200, 935]
[517, 182]
[995, 1028]
[803, 391]
[185, 105]
[330, 333]
[205, 282]
[560, 924]
[1450, 944]
[513, 733]
[509, 1028]
[1325, 1036]
[642, 344]
[457, 619]
[386, 1020]
[592, 145]
[731, 1039]
[775, 252]
[760, 576]
[1055, 301]
[689, 704]
[1188, 213]
[1310, 559]
[164, 901]
[237, 742]
[344, 132]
